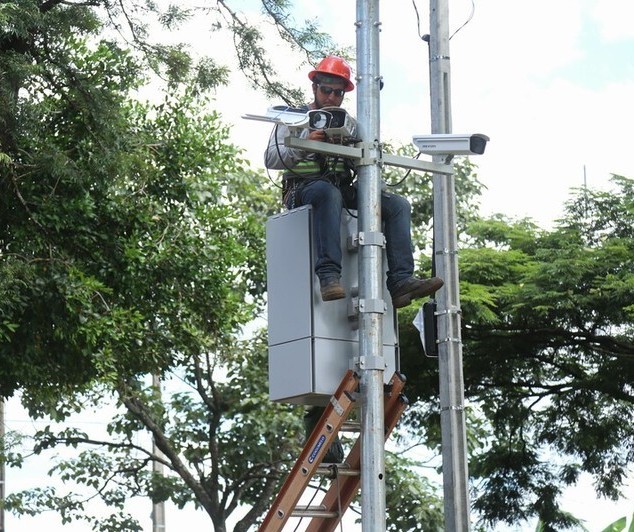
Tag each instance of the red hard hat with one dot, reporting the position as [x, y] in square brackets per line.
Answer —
[333, 66]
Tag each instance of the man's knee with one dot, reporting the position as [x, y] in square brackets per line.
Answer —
[394, 204]
[322, 192]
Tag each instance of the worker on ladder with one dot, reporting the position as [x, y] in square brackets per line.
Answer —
[326, 183]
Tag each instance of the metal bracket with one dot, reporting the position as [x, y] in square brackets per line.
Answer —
[458, 408]
[365, 362]
[417, 164]
[353, 310]
[371, 238]
[449, 339]
[368, 148]
[372, 305]
[352, 242]
[348, 152]
[360, 154]
[446, 252]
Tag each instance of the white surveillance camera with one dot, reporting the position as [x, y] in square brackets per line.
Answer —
[336, 122]
[451, 144]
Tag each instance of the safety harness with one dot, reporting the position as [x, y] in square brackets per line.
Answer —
[340, 172]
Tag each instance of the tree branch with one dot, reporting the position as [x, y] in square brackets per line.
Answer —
[49, 4]
[140, 411]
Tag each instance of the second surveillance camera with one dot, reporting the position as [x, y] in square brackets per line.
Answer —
[451, 144]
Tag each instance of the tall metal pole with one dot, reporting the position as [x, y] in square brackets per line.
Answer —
[2, 467]
[452, 415]
[158, 509]
[371, 303]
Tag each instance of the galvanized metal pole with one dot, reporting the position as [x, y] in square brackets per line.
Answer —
[158, 509]
[2, 467]
[452, 415]
[371, 303]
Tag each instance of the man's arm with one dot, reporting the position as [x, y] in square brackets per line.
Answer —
[277, 156]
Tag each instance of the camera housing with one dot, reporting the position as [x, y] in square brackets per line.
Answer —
[335, 121]
[451, 143]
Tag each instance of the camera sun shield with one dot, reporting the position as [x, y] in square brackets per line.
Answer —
[451, 144]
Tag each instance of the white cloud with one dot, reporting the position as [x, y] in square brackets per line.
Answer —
[614, 19]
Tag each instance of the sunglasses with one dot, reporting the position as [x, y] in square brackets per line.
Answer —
[326, 91]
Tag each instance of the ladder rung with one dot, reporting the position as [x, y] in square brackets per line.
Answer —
[314, 511]
[341, 493]
[342, 470]
[350, 426]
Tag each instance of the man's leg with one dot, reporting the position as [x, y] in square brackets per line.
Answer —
[403, 286]
[326, 202]
[335, 454]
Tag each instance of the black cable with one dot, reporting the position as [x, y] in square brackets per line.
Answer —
[268, 174]
[279, 154]
[319, 487]
[466, 21]
[417, 20]
[406, 174]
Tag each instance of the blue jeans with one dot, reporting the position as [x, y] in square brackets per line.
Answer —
[327, 201]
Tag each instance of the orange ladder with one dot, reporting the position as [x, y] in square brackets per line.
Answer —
[339, 496]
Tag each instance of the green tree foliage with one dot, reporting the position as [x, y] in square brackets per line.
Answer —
[412, 501]
[132, 242]
[117, 246]
[255, 58]
[115, 218]
[548, 326]
[221, 442]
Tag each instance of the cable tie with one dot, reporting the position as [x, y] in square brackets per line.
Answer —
[449, 339]
[458, 408]
[453, 310]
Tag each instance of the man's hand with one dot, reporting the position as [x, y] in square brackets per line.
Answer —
[318, 135]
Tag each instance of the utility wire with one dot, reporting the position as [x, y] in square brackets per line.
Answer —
[466, 21]
[426, 37]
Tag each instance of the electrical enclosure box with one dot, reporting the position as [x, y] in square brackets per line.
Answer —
[313, 343]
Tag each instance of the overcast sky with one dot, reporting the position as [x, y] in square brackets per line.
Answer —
[550, 82]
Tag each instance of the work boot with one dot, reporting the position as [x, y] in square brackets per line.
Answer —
[334, 455]
[412, 288]
[331, 289]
